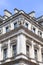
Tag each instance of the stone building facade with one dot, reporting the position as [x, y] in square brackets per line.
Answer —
[21, 38]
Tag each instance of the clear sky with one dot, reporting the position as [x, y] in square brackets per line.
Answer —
[26, 5]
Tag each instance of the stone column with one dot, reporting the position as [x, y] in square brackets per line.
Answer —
[42, 34]
[21, 44]
[0, 53]
[39, 54]
[4, 30]
[29, 27]
[12, 26]
[32, 50]
[9, 49]
[37, 31]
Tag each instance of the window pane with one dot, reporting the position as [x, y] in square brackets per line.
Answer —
[26, 25]
[35, 54]
[0, 31]
[42, 57]
[15, 25]
[7, 29]
[27, 50]
[14, 50]
[40, 33]
[33, 30]
[5, 53]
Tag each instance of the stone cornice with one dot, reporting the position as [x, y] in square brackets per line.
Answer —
[33, 21]
[14, 60]
[21, 30]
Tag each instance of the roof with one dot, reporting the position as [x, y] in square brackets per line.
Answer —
[33, 19]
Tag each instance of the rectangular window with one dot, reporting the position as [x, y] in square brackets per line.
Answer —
[7, 29]
[35, 51]
[33, 29]
[42, 57]
[0, 31]
[40, 33]
[14, 50]
[27, 50]
[4, 53]
[26, 25]
[15, 24]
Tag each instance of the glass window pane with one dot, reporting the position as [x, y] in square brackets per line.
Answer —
[27, 50]
[33, 30]
[14, 50]
[5, 53]
[26, 25]
[42, 57]
[7, 29]
[35, 54]
[15, 24]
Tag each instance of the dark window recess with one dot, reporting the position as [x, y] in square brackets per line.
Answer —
[15, 24]
[26, 25]
[40, 33]
[0, 31]
[33, 29]
[27, 50]
[7, 29]
[5, 53]
[14, 50]
[42, 57]
[35, 51]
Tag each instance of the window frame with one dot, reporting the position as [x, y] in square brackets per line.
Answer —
[28, 43]
[42, 56]
[27, 52]
[36, 55]
[14, 53]
[5, 53]
[33, 30]
[40, 33]
[7, 28]
[15, 26]
[26, 25]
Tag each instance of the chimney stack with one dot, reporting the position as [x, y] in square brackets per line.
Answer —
[7, 13]
[32, 14]
[16, 10]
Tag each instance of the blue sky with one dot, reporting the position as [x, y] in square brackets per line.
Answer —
[26, 5]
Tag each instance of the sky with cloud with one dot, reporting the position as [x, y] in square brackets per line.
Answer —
[26, 5]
